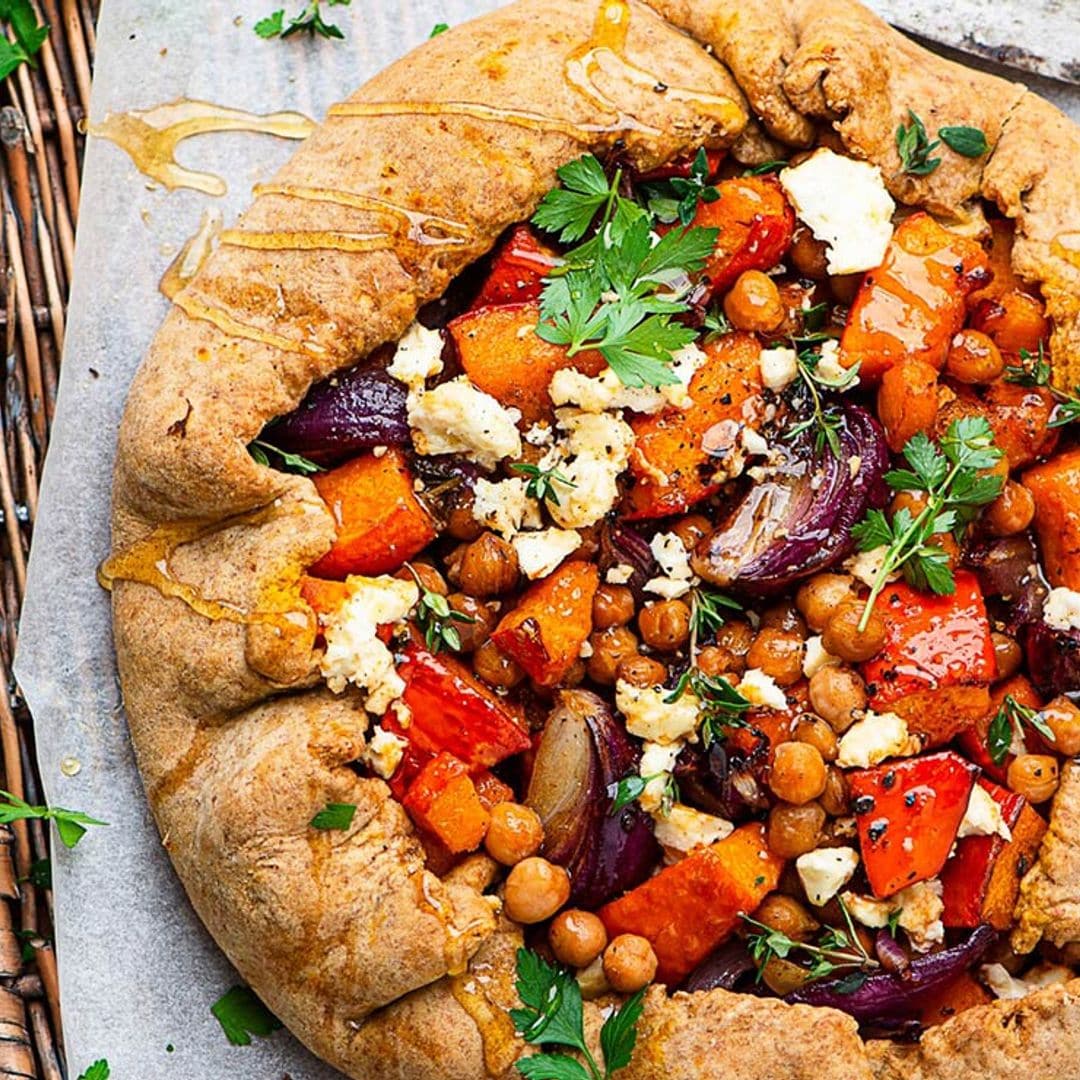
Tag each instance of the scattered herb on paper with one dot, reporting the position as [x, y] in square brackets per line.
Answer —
[98, 1071]
[241, 1014]
[70, 824]
[309, 21]
[28, 33]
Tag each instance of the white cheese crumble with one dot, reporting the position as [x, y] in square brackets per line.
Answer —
[876, 737]
[1008, 987]
[919, 906]
[619, 574]
[761, 690]
[504, 506]
[457, 418]
[830, 370]
[983, 816]
[674, 560]
[779, 367]
[866, 565]
[683, 828]
[539, 553]
[540, 434]
[418, 356]
[354, 653]
[383, 751]
[825, 871]
[845, 204]
[657, 764]
[1062, 609]
[650, 717]
[817, 656]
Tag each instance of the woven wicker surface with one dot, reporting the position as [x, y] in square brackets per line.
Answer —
[41, 111]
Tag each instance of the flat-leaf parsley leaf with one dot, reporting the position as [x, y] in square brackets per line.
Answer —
[241, 1014]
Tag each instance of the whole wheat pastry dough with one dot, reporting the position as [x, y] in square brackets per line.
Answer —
[363, 953]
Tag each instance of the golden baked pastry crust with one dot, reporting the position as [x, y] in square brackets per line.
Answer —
[362, 952]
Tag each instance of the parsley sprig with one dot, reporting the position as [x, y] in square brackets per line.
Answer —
[618, 291]
[677, 199]
[552, 1016]
[1034, 370]
[956, 485]
[541, 482]
[290, 462]
[1008, 721]
[70, 824]
[98, 1071]
[309, 21]
[241, 1014]
[435, 618]
[29, 36]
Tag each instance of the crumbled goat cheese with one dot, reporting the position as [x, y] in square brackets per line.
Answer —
[1062, 609]
[683, 828]
[619, 574]
[383, 752]
[540, 434]
[920, 907]
[825, 871]
[457, 418]
[1008, 987]
[779, 367]
[816, 656]
[673, 558]
[354, 653]
[845, 204]
[829, 368]
[591, 457]
[504, 506]
[418, 356]
[761, 690]
[876, 737]
[650, 717]
[983, 816]
[866, 565]
[657, 763]
[539, 553]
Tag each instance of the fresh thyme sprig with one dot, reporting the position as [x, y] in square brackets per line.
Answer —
[552, 1016]
[826, 418]
[1008, 721]
[954, 479]
[541, 483]
[1034, 370]
[631, 787]
[709, 610]
[290, 462]
[435, 617]
[721, 705]
[914, 145]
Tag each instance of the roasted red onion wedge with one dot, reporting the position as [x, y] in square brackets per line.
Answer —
[1053, 659]
[798, 520]
[583, 753]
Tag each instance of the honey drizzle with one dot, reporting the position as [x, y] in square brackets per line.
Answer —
[307, 241]
[150, 136]
[192, 255]
[233, 327]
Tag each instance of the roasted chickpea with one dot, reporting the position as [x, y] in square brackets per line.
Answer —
[715, 660]
[974, 358]
[515, 833]
[1035, 776]
[629, 963]
[835, 799]
[787, 915]
[1007, 653]
[754, 303]
[779, 653]
[843, 637]
[1011, 512]
[577, 937]
[795, 830]
[613, 605]
[641, 671]
[809, 255]
[691, 529]
[495, 668]
[820, 596]
[736, 635]
[489, 566]
[485, 618]
[1063, 719]
[783, 615]
[610, 647]
[460, 522]
[798, 772]
[535, 890]
[665, 625]
[817, 733]
[426, 574]
[837, 693]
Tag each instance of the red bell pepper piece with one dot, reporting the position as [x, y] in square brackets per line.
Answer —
[443, 800]
[981, 882]
[907, 813]
[973, 739]
[517, 270]
[453, 711]
[938, 659]
[689, 908]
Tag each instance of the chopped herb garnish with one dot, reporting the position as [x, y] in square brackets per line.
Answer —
[98, 1071]
[957, 486]
[835, 950]
[290, 462]
[892, 923]
[677, 199]
[241, 1014]
[1008, 722]
[716, 323]
[334, 815]
[541, 483]
[309, 21]
[765, 167]
[825, 419]
[967, 141]
[552, 1016]
[1034, 370]
[439, 28]
[627, 790]
[70, 824]
[914, 147]
[29, 36]
[618, 291]
[709, 610]
[436, 618]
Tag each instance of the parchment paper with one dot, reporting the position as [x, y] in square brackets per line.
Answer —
[138, 972]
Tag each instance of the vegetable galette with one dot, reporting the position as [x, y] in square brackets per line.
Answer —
[596, 561]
